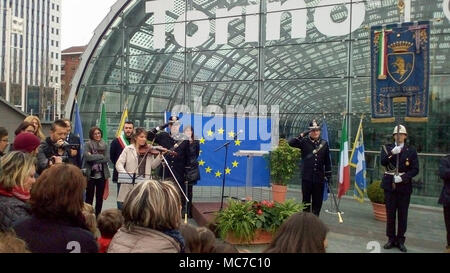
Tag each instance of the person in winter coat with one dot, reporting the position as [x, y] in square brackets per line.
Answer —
[152, 214]
[135, 159]
[96, 156]
[16, 180]
[57, 224]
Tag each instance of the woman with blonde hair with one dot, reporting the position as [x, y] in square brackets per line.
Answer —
[152, 213]
[16, 179]
[135, 159]
[37, 125]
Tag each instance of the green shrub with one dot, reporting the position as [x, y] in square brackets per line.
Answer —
[376, 193]
[283, 163]
[244, 218]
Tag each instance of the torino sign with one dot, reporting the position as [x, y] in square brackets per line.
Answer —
[296, 8]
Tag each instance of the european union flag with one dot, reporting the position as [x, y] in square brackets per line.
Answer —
[244, 133]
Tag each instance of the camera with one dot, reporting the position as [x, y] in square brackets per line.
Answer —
[67, 145]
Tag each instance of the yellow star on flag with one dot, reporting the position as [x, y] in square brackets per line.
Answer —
[202, 141]
[218, 174]
[235, 164]
[201, 163]
[227, 171]
[237, 142]
[208, 170]
[231, 134]
[221, 131]
[210, 133]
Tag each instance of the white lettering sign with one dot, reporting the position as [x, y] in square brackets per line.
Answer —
[224, 16]
[446, 7]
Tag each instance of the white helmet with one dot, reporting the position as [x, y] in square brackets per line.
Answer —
[401, 131]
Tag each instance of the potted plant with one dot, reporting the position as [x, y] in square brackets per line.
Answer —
[283, 162]
[376, 196]
[253, 222]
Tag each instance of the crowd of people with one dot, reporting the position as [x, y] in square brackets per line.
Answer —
[48, 186]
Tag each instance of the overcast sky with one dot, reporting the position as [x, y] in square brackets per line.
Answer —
[79, 19]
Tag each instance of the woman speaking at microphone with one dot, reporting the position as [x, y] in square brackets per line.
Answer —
[137, 158]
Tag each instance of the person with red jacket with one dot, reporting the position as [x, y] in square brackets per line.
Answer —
[108, 222]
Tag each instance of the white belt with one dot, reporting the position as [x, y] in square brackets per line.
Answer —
[393, 173]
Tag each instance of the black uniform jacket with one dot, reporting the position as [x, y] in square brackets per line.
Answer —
[408, 165]
[444, 173]
[316, 162]
[177, 162]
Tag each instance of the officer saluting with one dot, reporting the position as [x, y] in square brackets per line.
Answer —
[316, 165]
[397, 185]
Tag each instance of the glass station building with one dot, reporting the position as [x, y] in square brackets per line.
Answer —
[309, 57]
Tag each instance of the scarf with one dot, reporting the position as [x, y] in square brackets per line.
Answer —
[98, 148]
[176, 234]
[16, 192]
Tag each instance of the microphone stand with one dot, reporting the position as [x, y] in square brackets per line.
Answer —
[178, 184]
[226, 145]
[335, 203]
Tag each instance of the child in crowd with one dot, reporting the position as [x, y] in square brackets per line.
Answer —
[91, 222]
[109, 222]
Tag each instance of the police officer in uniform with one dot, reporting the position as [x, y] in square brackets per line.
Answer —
[176, 142]
[398, 185]
[316, 165]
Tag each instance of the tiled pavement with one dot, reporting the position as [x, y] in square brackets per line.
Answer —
[360, 232]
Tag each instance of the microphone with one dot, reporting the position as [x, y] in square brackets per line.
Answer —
[237, 134]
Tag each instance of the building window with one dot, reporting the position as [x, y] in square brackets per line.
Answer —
[53, 30]
[57, 43]
[57, 7]
[57, 19]
[53, 18]
[52, 43]
[57, 31]
[51, 54]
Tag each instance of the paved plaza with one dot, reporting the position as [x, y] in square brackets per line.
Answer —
[360, 232]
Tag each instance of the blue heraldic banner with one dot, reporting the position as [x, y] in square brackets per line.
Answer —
[213, 132]
[400, 62]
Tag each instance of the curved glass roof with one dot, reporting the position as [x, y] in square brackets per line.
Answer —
[307, 77]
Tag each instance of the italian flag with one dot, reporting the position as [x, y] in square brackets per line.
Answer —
[382, 54]
[103, 125]
[344, 167]
[120, 134]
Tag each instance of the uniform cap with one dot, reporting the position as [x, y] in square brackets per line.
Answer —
[402, 130]
[314, 125]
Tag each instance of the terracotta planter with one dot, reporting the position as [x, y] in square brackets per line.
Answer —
[279, 193]
[261, 237]
[379, 210]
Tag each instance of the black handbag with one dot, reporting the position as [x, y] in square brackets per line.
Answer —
[192, 173]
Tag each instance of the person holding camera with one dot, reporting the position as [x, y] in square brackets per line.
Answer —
[96, 156]
[75, 145]
[54, 149]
